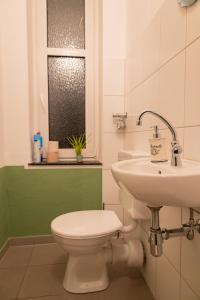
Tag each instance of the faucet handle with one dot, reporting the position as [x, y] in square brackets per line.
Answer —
[176, 151]
[176, 148]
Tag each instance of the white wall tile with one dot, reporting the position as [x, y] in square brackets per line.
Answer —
[113, 77]
[190, 262]
[129, 141]
[112, 143]
[110, 188]
[114, 28]
[167, 280]
[155, 6]
[114, 51]
[173, 29]
[185, 215]
[170, 217]
[151, 47]
[117, 209]
[192, 143]
[111, 104]
[193, 22]
[134, 70]
[135, 65]
[172, 90]
[186, 292]
[143, 97]
[149, 267]
[192, 105]
[136, 23]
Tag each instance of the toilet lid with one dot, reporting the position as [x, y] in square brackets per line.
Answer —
[85, 224]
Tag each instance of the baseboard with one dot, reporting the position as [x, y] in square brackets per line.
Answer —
[4, 248]
[30, 240]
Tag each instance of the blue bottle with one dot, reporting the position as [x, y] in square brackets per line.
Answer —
[38, 147]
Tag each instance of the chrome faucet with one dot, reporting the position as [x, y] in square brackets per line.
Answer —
[176, 148]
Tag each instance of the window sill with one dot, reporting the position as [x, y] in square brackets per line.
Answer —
[65, 164]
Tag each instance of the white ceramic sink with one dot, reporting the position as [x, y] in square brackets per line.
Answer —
[160, 184]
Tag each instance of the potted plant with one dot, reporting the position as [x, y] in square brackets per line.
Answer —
[78, 144]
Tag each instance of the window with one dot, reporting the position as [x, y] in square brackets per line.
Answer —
[64, 71]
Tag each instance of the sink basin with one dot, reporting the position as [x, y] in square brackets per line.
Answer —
[160, 184]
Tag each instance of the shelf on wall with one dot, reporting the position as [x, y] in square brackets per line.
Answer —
[67, 163]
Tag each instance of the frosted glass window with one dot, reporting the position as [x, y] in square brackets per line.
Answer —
[66, 24]
[66, 83]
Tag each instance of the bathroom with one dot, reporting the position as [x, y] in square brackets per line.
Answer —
[139, 55]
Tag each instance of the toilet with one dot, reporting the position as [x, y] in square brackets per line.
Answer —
[84, 234]
[92, 239]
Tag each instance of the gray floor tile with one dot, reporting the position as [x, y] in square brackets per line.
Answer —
[90, 296]
[126, 288]
[123, 288]
[48, 254]
[10, 282]
[16, 256]
[43, 280]
[22, 241]
[44, 239]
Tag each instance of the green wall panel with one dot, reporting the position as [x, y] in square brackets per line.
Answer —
[4, 211]
[38, 196]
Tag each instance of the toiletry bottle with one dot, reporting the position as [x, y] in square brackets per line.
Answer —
[53, 152]
[158, 147]
[38, 148]
[41, 146]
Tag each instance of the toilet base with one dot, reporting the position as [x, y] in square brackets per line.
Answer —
[86, 273]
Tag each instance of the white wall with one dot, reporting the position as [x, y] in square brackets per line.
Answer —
[162, 73]
[15, 85]
[114, 53]
[1, 103]
[14, 81]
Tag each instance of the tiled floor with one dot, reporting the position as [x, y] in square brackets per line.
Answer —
[36, 272]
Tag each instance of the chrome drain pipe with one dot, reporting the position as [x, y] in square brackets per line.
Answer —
[155, 234]
[158, 235]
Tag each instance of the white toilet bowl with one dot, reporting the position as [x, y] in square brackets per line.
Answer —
[88, 238]
[85, 235]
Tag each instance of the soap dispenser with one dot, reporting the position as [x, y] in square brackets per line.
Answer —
[158, 147]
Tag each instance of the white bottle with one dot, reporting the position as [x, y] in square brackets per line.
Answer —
[37, 152]
[158, 147]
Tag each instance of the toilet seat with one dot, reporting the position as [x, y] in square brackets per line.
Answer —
[86, 224]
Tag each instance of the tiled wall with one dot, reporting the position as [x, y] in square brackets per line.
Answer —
[163, 74]
[114, 51]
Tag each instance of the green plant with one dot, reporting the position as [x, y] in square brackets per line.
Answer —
[77, 143]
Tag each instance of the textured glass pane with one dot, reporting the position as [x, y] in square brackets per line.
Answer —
[66, 98]
[66, 23]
